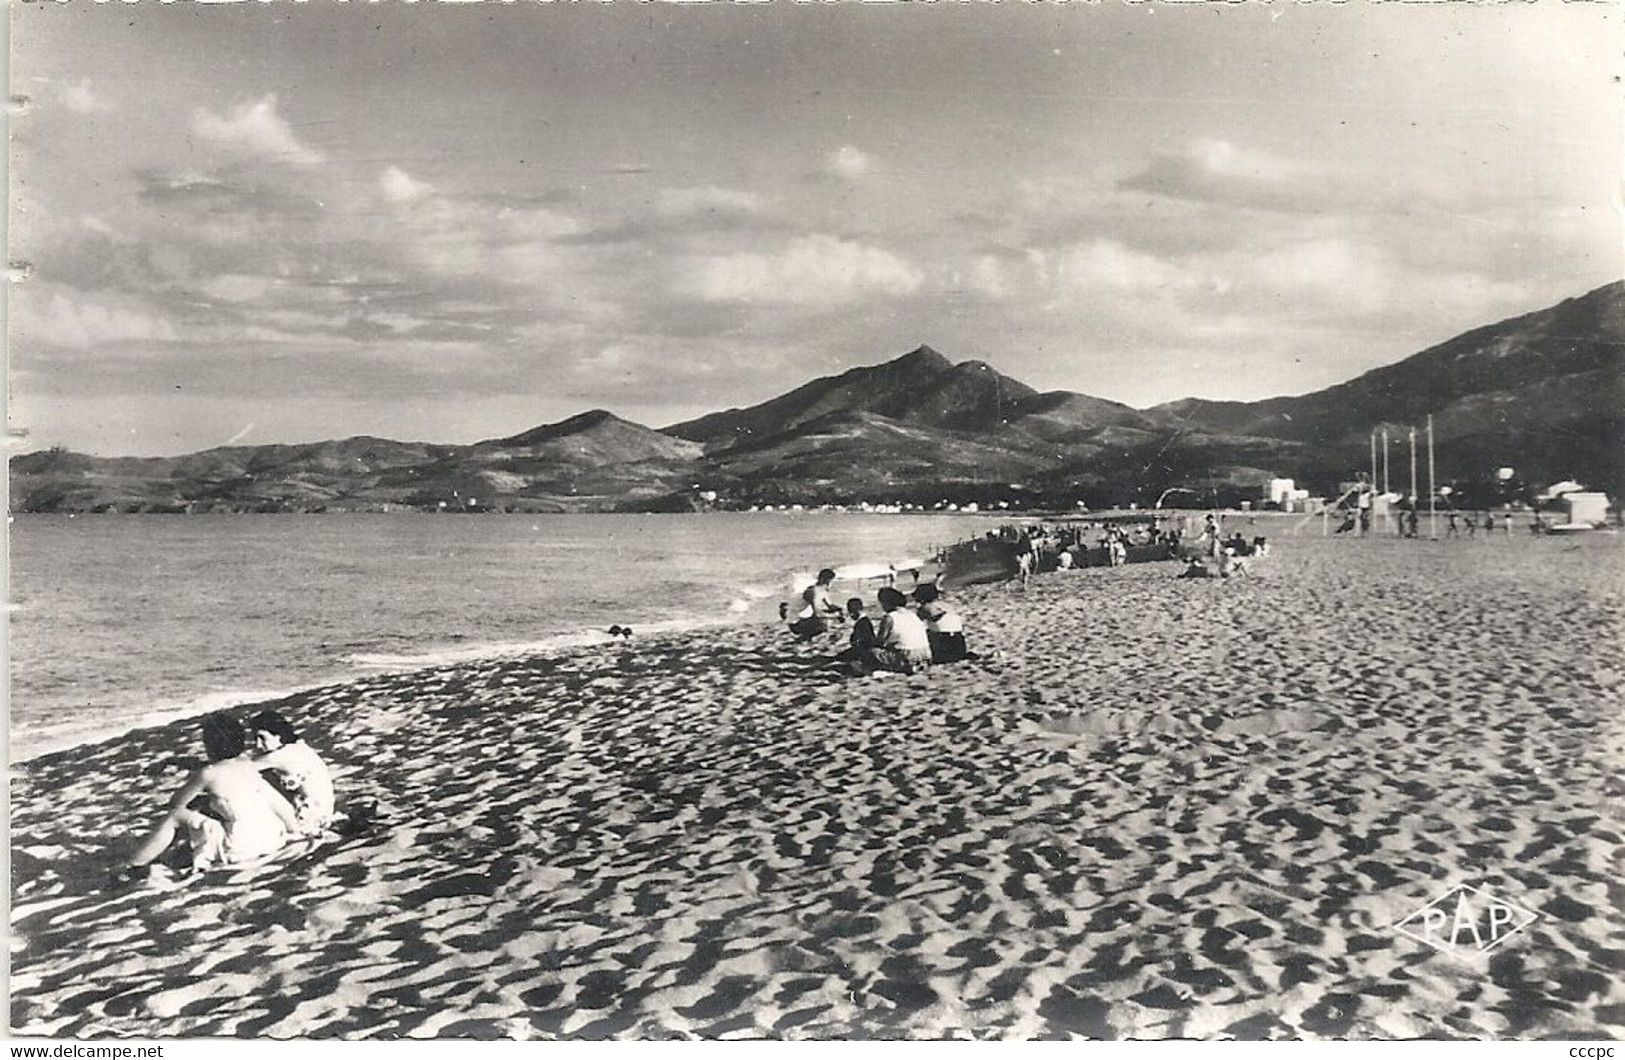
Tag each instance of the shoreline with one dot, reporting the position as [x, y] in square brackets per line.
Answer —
[195, 708]
[367, 665]
[1164, 809]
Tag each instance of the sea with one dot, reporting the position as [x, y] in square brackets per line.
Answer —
[122, 621]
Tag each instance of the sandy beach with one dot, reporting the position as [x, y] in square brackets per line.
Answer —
[1155, 808]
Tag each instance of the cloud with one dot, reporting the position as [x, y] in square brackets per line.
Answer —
[237, 287]
[813, 270]
[684, 203]
[1220, 171]
[72, 320]
[1104, 263]
[989, 277]
[257, 129]
[81, 98]
[847, 163]
[400, 186]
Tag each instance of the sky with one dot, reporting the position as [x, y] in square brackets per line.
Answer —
[258, 223]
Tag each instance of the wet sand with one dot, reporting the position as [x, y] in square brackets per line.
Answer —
[1155, 808]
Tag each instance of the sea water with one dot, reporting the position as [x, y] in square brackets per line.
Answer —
[118, 621]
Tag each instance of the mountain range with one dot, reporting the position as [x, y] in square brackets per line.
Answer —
[1543, 393]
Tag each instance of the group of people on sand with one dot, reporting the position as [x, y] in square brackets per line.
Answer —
[261, 788]
[905, 640]
[1455, 521]
[1231, 557]
[1039, 547]
[1407, 521]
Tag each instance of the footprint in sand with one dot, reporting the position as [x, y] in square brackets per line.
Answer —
[1271, 722]
[1109, 723]
[382, 721]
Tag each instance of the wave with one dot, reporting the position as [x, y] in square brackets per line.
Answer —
[864, 572]
[467, 653]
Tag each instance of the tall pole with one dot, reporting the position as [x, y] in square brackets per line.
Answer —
[1387, 486]
[1386, 481]
[1371, 494]
[1433, 494]
[1413, 469]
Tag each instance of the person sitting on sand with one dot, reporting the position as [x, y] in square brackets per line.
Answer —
[817, 608]
[1195, 568]
[863, 634]
[1231, 565]
[904, 644]
[294, 769]
[247, 818]
[944, 629]
[1063, 561]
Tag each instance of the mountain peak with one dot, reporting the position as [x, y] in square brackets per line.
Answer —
[581, 421]
[590, 418]
[923, 357]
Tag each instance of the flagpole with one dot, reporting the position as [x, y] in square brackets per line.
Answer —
[1371, 494]
[1433, 493]
[1413, 470]
[1387, 484]
[1387, 480]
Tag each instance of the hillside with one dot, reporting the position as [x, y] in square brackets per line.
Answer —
[1543, 392]
[590, 462]
[594, 461]
[922, 388]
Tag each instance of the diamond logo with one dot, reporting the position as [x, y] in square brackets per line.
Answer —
[1466, 920]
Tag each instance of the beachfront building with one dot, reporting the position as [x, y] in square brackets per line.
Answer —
[1585, 506]
[1284, 494]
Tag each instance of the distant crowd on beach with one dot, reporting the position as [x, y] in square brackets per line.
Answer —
[261, 788]
[1039, 548]
[1458, 523]
[921, 629]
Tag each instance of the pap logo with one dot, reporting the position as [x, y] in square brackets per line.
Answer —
[1466, 920]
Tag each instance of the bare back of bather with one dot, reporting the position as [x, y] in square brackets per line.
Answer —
[245, 815]
[247, 818]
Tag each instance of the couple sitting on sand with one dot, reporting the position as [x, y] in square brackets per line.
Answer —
[242, 805]
[905, 641]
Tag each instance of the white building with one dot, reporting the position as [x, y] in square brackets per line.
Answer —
[1284, 494]
[1586, 507]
